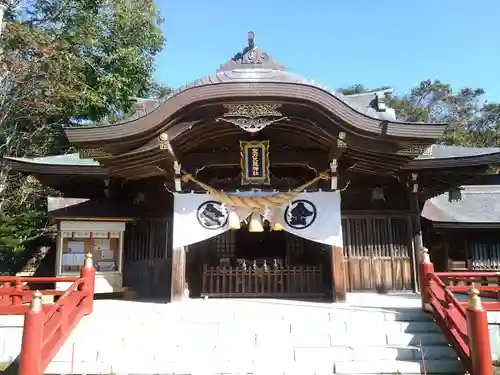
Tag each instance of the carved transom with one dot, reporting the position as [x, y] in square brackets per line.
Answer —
[252, 117]
[90, 153]
[415, 148]
[252, 110]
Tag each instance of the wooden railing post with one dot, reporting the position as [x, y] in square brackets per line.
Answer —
[425, 267]
[31, 348]
[88, 273]
[479, 336]
[17, 298]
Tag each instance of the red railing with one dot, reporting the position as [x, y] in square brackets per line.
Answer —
[465, 324]
[46, 327]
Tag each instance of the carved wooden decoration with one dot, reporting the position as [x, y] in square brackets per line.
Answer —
[252, 117]
[341, 142]
[90, 153]
[414, 148]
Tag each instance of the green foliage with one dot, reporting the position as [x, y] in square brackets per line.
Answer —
[66, 62]
[15, 231]
[472, 121]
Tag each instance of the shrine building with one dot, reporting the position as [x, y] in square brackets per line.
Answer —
[254, 181]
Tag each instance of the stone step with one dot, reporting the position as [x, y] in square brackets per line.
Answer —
[433, 366]
[373, 353]
[265, 368]
[387, 338]
[235, 351]
[245, 337]
[396, 326]
[410, 315]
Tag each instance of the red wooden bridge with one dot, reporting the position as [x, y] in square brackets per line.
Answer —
[47, 327]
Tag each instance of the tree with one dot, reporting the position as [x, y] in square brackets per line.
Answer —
[472, 122]
[66, 63]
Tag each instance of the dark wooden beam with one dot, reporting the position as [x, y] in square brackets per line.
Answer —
[416, 227]
[315, 159]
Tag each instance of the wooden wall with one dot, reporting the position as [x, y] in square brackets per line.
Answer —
[147, 256]
[377, 252]
[460, 249]
[377, 245]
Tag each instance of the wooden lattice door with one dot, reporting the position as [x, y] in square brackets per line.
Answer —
[377, 252]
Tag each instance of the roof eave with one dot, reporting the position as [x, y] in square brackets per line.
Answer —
[457, 162]
[54, 169]
[246, 89]
[464, 225]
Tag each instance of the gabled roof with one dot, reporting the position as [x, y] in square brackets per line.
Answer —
[253, 75]
[479, 204]
[66, 159]
[370, 103]
[82, 208]
[441, 156]
[68, 164]
[445, 152]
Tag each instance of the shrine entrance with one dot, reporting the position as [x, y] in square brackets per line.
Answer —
[274, 264]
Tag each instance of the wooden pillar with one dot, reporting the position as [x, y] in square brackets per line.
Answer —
[416, 228]
[445, 240]
[339, 285]
[338, 274]
[178, 274]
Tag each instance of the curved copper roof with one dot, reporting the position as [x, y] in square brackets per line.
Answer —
[252, 76]
[478, 205]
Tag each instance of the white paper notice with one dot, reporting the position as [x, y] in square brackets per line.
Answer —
[79, 259]
[76, 247]
[107, 254]
[105, 266]
[102, 244]
[68, 260]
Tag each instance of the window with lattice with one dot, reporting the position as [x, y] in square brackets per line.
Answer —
[224, 245]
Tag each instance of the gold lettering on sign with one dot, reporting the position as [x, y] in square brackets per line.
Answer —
[90, 153]
[255, 163]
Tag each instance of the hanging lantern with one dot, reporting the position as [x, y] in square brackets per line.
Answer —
[255, 223]
[233, 220]
[378, 194]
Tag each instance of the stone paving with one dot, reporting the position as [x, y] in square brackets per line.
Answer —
[370, 334]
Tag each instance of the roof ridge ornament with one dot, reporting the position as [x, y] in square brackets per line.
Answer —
[251, 58]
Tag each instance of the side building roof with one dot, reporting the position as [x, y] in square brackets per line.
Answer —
[68, 164]
[478, 207]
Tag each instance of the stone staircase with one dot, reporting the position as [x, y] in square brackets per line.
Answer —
[369, 335]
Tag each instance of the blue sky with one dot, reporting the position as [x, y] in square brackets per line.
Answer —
[339, 43]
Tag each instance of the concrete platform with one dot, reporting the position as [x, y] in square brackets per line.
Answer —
[383, 334]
